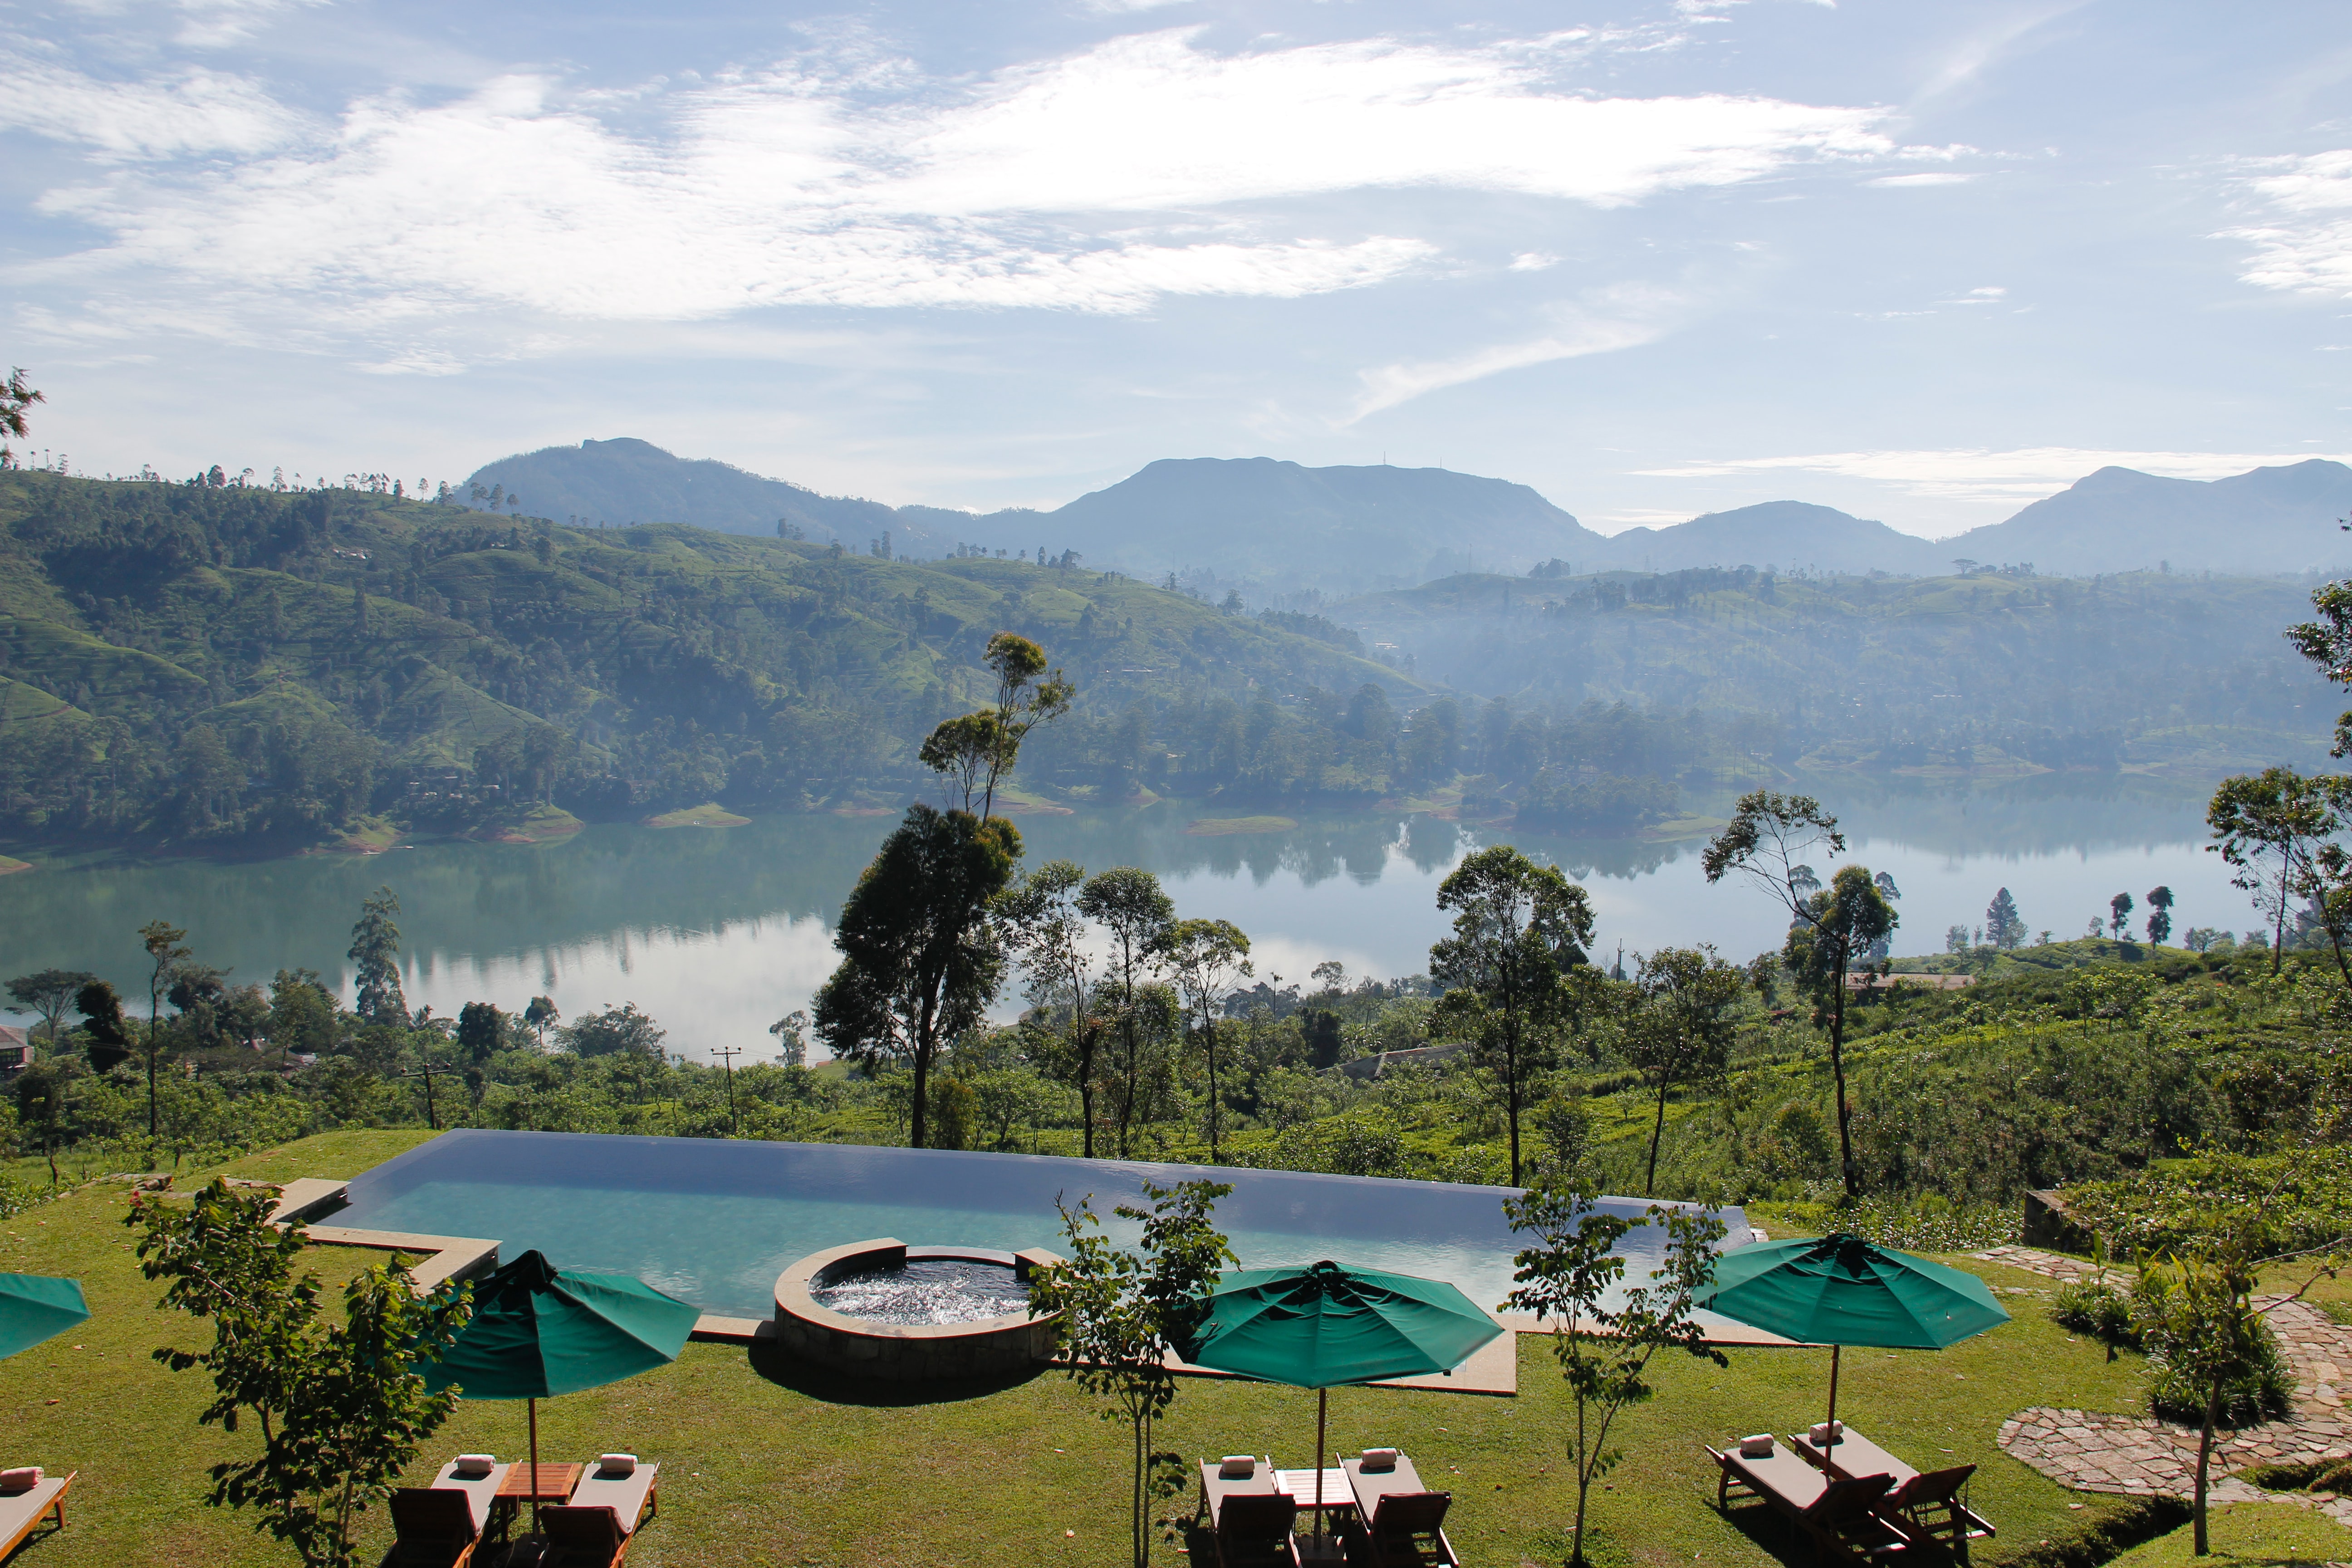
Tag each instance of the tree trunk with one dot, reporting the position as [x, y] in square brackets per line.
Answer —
[1837, 1072]
[1657, 1132]
[1511, 1092]
[2278, 936]
[918, 1121]
[1209, 1029]
[2204, 1461]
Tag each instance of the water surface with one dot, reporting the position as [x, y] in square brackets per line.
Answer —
[718, 932]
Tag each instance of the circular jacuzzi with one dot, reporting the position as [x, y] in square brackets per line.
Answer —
[882, 1308]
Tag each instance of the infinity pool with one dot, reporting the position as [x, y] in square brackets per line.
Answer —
[714, 1222]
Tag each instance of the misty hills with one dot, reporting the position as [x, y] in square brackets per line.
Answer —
[1789, 534]
[1361, 528]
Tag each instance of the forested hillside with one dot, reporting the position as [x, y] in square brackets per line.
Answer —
[1991, 669]
[199, 661]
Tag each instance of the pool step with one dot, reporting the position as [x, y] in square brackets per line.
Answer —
[448, 1257]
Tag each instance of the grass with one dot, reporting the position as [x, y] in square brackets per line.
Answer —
[766, 1463]
[705, 815]
[2279, 1533]
[1218, 826]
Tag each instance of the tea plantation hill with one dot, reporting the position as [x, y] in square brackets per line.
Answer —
[190, 662]
[1988, 671]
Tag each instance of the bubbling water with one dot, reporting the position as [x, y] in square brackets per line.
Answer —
[927, 1291]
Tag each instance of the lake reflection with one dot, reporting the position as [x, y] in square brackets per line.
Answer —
[719, 931]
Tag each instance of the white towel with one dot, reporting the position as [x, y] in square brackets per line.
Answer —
[617, 1464]
[22, 1479]
[474, 1467]
[1380, 1459]
[1237, 1466]
[1826, 1432]
[1759, 1447]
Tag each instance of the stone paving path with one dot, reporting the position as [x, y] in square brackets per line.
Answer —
[2140, 1457]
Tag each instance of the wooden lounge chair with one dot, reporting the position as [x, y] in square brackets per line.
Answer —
[582, 1538]
[1407, 1529]
[1835, 1513]
[634, 1495]
[1257, 1529]
[20, 1511]
[1925, 1505]
[441, 1525]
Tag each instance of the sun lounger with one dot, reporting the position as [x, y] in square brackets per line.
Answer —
[1400, 1523]
[1835, 1513]
[439, 1526]
[20, 1511]
[1254, 1522]
[1925, 1504]
[633, 1495]
[582, 1537]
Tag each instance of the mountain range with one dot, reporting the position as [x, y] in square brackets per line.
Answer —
[1354, 528]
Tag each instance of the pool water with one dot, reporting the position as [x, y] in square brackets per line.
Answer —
[714, 1221]
[927, 1291]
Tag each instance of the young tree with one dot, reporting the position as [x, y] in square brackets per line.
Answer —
[303, 1015]
[481, 1032]
[2195, 1308]
[2159, 915]
[1045, 926]
[375, 949]
[2269, 828]
[1682, 1031]
[1840, 924]
[1128, 903]
[539, 1017]
[1605, 1353]
[976, 751]
[341, 1407]
[791, 1038]
[2003, 927]
[2120, 908]
[48, 993]
[1122, 1314]
[102, 1019]
[919, 955]
[164, 955]
[1207, 959]
[1768, 840]
[1518, 928]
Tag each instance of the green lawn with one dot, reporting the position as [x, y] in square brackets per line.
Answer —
[2273, 1534]
[764, 1464]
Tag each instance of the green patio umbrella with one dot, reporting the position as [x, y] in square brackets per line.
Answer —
[32, 1307]
[538, 1330]
[1324, 1326]
[1842, 1290]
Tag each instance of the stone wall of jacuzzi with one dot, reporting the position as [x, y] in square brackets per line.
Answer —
[988, 1347]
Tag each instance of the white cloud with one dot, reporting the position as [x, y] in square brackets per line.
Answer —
[1903, 182]
[1975, 474]
[2307, 249]
[190, 111]
[1606, 321]
[1099, 180]
[1533, 261]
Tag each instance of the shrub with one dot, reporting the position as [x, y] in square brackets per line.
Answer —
[2259, 1392]
[2095, 1307]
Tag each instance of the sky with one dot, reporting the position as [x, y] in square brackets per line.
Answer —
[1923, 262]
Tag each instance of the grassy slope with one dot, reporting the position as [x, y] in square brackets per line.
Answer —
[765, 1464]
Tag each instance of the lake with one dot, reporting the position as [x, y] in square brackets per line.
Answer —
[719, 931]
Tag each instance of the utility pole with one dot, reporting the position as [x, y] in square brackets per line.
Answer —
[726, 1055]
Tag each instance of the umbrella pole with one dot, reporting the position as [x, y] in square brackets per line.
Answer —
[1834, 1371]
[532, 1406]
[1322, 1409]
